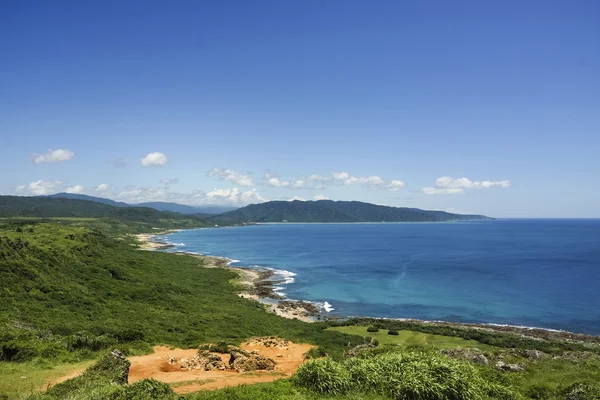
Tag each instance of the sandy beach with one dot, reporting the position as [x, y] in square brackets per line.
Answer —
[254, 284]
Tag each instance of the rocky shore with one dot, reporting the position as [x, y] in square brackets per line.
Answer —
[255, 284]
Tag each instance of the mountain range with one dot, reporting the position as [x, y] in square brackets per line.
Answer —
[78, 206]
[335, 211]
[157, 205]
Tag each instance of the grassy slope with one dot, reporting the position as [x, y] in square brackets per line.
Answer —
[412, 338]
[69, 279]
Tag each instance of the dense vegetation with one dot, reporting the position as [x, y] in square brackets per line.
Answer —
[334, 211]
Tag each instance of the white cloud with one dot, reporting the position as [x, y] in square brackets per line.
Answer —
[297, 198]
[395, 185]
[20, 188]
[172, 181]
[319, 178]
[234, 196]
[276, 182]
[103, 187]
[321, 197]
[449, 185]
[372, 182]
[40, 188]
[74, 189]
[432, 190]
[464, 183]
[156, 159]
[252, 196]
[231, 176]
[53, 156]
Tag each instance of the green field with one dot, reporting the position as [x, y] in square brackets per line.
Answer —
[29, 377]
[412, 338]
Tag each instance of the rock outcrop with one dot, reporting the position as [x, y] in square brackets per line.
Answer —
[204, 360]
[243, 361]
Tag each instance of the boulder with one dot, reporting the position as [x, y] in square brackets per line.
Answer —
[502, 366]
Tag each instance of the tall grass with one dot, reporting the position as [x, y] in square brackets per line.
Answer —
[414, 374]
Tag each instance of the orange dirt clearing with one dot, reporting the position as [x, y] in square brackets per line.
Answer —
[157, 366]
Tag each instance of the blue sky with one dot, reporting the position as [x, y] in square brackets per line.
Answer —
[389, 102]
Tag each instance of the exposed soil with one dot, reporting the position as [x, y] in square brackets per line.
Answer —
[157, 366]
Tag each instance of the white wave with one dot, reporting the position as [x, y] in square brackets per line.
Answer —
[328, 307]
[286, 275]
[232, 261]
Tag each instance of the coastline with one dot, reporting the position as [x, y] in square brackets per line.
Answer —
[259, 285]
[256, 284]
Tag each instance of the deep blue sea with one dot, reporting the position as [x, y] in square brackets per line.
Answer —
[542, 273]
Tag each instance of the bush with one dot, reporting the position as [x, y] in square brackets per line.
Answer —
[316, 352]
[323, 376]
[393, 332]
[129, 335]
[540, 392]
[85, 340]
[416, 374]
[219, 347]
[147, 389]
[582, 391]
[372, 329]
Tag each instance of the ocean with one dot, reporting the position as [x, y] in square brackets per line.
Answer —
[539, 273]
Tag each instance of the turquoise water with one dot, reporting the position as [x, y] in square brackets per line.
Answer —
[543, 273]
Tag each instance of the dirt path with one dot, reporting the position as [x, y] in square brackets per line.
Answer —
[156, 366]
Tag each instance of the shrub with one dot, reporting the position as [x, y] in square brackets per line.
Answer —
[372, 329]
[147, 389]
[219, 347]
[415, 374]
[393, 332]
[85, 340]
[539, 392]
[316, 352]
[582, 391]
[323, 376]
[129, 335]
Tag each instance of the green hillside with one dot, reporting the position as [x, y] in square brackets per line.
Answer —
[335, 211]
[15, 207]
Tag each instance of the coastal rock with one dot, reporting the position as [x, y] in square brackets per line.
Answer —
[502, 366]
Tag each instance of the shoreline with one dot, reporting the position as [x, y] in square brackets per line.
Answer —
[257, 284]
[259, 287]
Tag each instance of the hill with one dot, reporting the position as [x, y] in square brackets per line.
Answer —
[157, 205]
[118, 217]
[184, 209]
[335, 211]
[88, 198]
